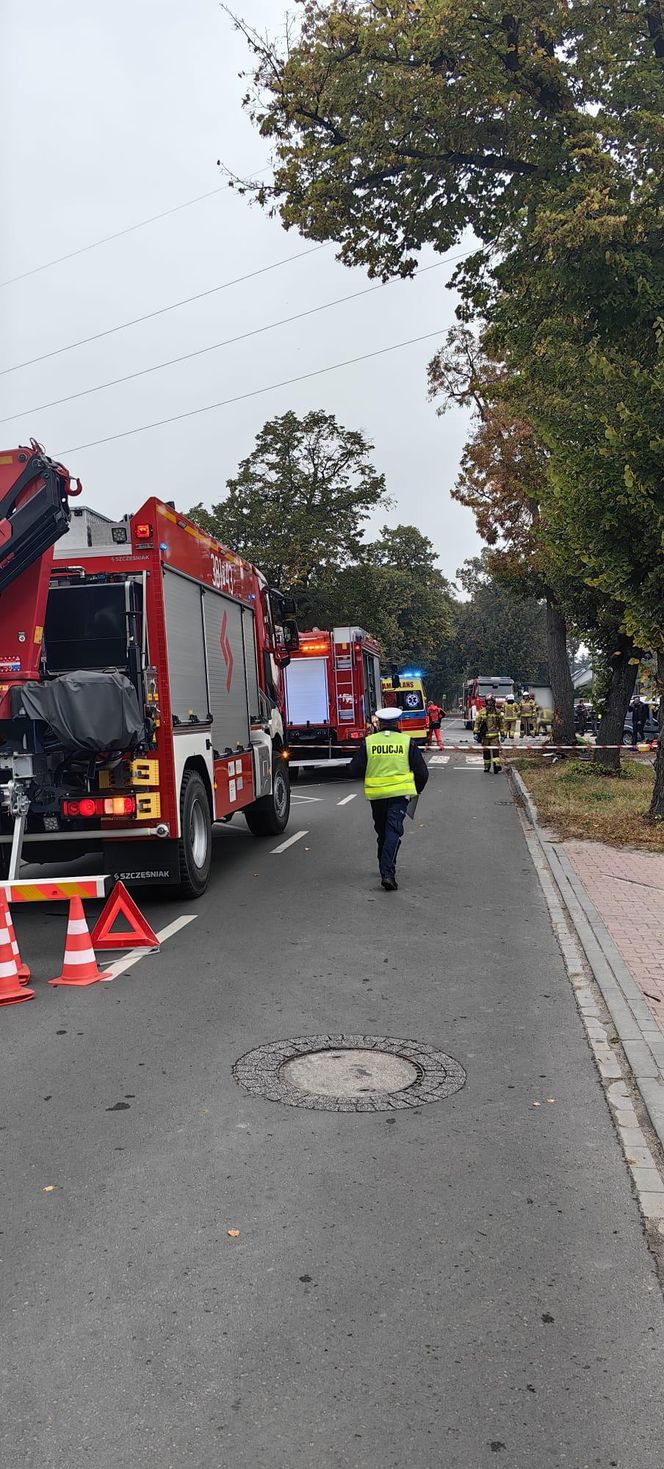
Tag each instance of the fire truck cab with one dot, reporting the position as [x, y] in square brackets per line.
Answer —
[141, 686]
[477, 690]
[332, 690]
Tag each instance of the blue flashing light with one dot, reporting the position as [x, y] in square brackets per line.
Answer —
[163, 546]
[412, 673]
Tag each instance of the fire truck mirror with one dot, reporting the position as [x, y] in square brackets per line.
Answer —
[291, 636]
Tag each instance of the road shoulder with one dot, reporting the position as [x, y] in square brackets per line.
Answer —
[635, 1088]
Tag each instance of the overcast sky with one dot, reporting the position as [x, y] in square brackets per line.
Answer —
[110, 114]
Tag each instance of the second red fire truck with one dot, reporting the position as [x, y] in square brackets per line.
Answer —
[141, 685]
[332, 690]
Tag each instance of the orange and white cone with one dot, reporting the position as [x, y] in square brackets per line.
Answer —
[12, 992]
[79, 966]
[23, 970]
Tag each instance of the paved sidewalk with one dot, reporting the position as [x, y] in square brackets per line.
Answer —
[627, 889]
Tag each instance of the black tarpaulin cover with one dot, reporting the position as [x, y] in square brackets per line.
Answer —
[86, 710]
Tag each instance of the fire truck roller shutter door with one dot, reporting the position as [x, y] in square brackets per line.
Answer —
[226, 672]
[306, 691]
[249, 638]
[186, 647]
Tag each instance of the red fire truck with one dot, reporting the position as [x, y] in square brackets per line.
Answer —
[477, 690]
[141, 686]
[332, 690]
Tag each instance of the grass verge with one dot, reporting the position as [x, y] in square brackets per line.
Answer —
[576, 799]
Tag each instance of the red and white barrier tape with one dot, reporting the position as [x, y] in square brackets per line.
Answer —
[471, 745]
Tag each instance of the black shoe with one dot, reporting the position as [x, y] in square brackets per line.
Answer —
[390, 884]
[487, 770]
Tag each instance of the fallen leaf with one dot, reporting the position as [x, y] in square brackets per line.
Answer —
[48, 1188]
[537, 1104]
[233, 1233]
[550, 1099]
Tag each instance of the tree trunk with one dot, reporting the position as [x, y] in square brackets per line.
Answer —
[621, 688]
[561, 678]
[657, 803]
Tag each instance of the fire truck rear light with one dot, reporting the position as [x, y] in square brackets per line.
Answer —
[100, 806]
[143, 532]
[119, 806]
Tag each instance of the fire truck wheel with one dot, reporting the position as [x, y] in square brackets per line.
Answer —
[269, 816]
[195, 845]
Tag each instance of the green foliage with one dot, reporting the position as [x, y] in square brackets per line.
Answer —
[395, 590]
[540, 129]
[404, 125]
[298, 502]
[500, 633]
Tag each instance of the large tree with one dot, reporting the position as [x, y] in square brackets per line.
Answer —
[502, 479]
[497, 632]
[298, 502]
[397, 126]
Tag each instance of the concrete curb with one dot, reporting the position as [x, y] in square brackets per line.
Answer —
[641, 1039]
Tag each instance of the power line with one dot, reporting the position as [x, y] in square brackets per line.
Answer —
[162, 311]
[94, 244]
[228, 342]
[255, 393]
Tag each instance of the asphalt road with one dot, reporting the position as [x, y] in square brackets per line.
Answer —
[433, 1287]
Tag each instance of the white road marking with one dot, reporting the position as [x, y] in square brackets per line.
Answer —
[297, 797]
[284, 845]
[134, 955]
[476, 760]
[346, 799]
[439, 760]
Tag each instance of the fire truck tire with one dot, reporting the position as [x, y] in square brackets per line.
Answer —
[269, 816]
[195, 844]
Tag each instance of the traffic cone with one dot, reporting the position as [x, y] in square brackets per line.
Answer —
[80, 965]
[23, 970]
[12, 992]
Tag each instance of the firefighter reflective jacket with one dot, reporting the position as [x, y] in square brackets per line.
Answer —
[388, 771]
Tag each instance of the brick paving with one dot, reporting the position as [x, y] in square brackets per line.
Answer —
[627, 889]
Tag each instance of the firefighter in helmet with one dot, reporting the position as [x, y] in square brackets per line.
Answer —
[394, 771]
[489, 728]
[528, 713]
[510, 713]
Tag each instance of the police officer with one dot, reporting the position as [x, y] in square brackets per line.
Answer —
[488, 730]
[394, 771]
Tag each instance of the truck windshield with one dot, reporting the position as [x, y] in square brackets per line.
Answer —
[499, 688]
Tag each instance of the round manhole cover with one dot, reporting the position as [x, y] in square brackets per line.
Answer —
[349, 1073]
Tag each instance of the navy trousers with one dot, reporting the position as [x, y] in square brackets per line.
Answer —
[388, 819]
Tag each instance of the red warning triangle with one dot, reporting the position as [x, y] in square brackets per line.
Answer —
[139, 935]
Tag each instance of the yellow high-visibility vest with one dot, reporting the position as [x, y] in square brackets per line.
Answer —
[388, 772]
